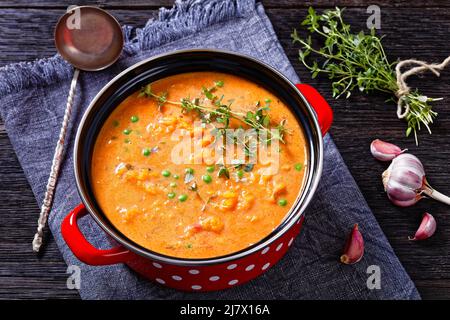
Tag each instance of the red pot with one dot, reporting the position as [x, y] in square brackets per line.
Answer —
[208, 274]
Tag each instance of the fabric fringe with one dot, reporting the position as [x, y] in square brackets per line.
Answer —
[184, 18]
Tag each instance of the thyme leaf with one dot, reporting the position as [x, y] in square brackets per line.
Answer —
[224, 172]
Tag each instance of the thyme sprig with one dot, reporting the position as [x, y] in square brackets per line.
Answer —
[222, 113]
[357, 61]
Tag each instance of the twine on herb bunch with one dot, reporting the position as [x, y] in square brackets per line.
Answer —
[403, 89]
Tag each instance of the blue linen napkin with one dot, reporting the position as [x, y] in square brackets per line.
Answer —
[32, 101]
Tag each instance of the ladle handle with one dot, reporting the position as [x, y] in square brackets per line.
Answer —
[56, 164]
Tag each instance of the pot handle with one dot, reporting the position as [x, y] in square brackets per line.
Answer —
[83, 250]
[320, 105]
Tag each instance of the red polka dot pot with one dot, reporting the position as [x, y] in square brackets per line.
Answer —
[208, 274]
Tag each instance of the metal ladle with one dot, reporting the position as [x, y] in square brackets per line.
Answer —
[90, 39]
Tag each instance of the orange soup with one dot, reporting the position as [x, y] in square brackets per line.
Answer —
[155, 181]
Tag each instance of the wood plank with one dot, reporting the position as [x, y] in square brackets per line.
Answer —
[438, 290]
[357, 121]
[23, 274]
[45, 287]
[267, 3]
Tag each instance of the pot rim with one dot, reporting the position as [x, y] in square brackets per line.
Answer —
[293, 215]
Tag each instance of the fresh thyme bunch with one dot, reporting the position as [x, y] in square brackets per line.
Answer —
[359, 61]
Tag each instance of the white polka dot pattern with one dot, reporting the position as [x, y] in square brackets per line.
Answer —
[232, 266]
[290, 241]
[222, 281]
[250, 267]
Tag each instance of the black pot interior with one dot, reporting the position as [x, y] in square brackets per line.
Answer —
[181, 62]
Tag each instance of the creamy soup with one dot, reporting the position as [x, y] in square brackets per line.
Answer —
[195, 204]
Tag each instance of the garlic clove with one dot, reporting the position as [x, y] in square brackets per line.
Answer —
[400, 195]
[354, 247]
[384, 151]
[404, 203]
[409, 162]
[408, 177]
[426, 229]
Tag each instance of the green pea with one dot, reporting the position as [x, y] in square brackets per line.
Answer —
[173, 184]
[171, 195]
[282, 202]
[207, 178]
[127, 131]
[298, 166]
[175, 176]
[115, 123]
[240, 174]
[134, 118]
[210, 169]
[182, 197]
[146, 152]
[165, 173]
[189, 170]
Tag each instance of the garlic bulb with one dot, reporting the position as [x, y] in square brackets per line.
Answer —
[405, 183]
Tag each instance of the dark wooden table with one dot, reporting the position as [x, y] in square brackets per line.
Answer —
[419, 29]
